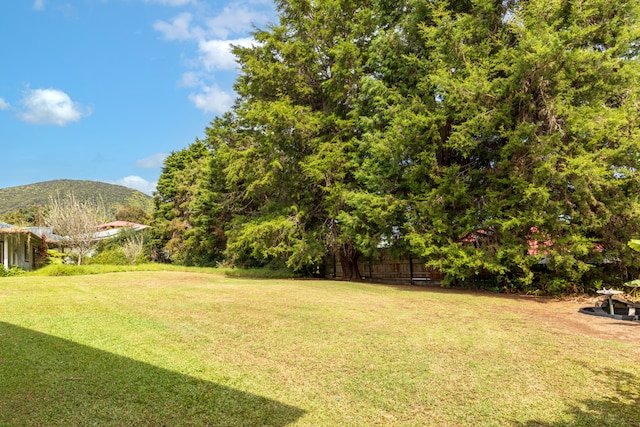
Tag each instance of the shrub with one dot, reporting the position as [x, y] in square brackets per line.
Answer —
[59, 270]
[113, 256]
[126, 247]
[54, 257]
[13, 271]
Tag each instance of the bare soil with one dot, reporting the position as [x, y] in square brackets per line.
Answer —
[563, 314]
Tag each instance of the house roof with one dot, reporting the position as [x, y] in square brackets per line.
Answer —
[15, 230]
[538, 242]
[121, 224]
[111, 229]
[36, 231]
[18, 231]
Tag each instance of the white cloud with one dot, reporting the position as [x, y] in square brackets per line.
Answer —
[235, 19]
[217, 55]
[212, 99]
[4, 105]
[179, 28]
[50, 107]
[152, 162]
[38, 5]
[213, 36]
[138, 183]
[190, 79]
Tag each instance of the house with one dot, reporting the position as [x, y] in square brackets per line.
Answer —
[18, 246]
[121, 224]
[111, 229]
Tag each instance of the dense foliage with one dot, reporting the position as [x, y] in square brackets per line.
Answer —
[487, 138]
[186, 220]
[129, 246]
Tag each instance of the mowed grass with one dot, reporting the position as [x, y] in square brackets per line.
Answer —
[196, 348]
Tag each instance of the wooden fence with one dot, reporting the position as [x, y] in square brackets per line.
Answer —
[389, 270]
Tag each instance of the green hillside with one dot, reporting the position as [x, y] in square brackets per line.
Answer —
[26, 196]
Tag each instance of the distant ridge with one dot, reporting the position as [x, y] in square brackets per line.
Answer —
[39, 194]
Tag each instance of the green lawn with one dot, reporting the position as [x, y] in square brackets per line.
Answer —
[196, 348]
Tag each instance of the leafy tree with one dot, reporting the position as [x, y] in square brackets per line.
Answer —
[184, 222]
[131, 213]
[31, 216]
[460, 132]
[522, 125]
[290, 149]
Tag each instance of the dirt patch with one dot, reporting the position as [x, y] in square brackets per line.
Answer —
[564, 314]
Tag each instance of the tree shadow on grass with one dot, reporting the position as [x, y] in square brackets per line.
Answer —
[51, 381]
[616, 403]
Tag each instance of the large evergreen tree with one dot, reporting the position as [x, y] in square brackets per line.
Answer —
[187, 220]
[482, 136]
[290, 148]
[521, 127]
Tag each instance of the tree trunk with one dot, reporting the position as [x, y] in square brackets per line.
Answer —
[349, 262]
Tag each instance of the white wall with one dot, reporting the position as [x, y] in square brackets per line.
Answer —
[18, 251]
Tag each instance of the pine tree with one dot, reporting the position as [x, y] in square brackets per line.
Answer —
[484, 137]
[289, 150]
[186, 219]
[521, 127]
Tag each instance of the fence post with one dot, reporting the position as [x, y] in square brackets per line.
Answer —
[411, 270]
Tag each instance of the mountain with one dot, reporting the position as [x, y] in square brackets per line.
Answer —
[39, 194]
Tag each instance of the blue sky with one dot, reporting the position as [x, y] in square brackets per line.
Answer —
[103, 90]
